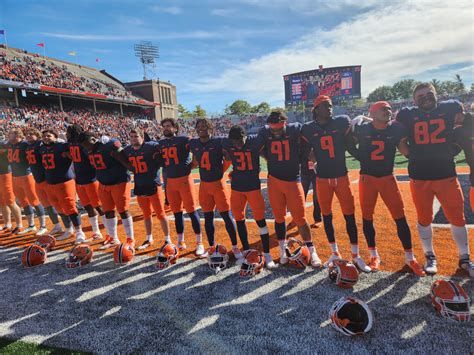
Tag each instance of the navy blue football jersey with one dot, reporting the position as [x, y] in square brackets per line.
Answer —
[245, 164]
[430, 138]
[328, 143]
[83, 170]
[283, 153]
[377, 147]
[176, 157]
[209, 157]
[4, 165]
[109, 171]
[146, 162]
[463, 136]
[17, 159]
[57, 165]
[33, 155]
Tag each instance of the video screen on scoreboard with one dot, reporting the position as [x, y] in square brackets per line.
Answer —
[339, 83]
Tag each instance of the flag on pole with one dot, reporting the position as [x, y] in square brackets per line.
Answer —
[40, 45]
[72, 53]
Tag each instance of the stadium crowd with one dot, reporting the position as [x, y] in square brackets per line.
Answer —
[35, 70]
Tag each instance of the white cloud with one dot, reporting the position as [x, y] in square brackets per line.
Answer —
[173, 10]
[389, 42]
[223, 12]
[312, 7]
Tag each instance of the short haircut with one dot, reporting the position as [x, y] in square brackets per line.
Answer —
[33, 131]
[422, 86]
[237, 132]
[206, 121]
[174, 123]
[51, 131]
[18, 132]
[138, 132]
[277, 117]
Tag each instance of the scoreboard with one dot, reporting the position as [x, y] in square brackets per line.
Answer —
[339, 83]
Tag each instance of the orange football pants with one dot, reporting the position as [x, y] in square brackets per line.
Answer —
[180, 191]
[42, 192]
[449, 194]
[239, 200]
[326, 188]
[155, 201]
[115, 196]
[212, 194]
[7, 197]
[283, 194]
[25, 190]
[89, 194]
[369, 189]
[63, 197]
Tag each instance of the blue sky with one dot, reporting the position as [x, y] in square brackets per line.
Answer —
[218, 51]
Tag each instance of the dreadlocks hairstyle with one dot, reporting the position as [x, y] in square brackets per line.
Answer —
[73, 132]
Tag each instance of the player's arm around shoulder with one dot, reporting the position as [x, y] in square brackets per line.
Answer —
[118, 154]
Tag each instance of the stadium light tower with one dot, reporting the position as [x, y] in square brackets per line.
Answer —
[147, 53]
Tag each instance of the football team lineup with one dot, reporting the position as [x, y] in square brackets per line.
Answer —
[291, 228]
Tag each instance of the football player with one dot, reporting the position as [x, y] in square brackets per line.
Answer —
[110, 163]
[329, 137]
[33, 137]
[308, 180]
[145, 161]
[281, 148]
[24, 183]
[377, 143]
[179, 182]
[244, 153]
[8, 205]
[87, 186]
[208, 155]
[61, 189]
[430, 130]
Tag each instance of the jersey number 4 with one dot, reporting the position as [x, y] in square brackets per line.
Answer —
[13, 156]
[423, 135]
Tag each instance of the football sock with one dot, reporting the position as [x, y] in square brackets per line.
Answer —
[351, 228]
[354, 250]
[94, 221]
[369, 232]
[264, 235]
[409, 255]
[460, 237]
[329, 228]
[426, 236]
[53, 215]
[39, 210]
[128, 226]
[280, 230]
[242, 228]
[230, 226]
[403, 232]
[149, 238]
[282, 244]
[310, 246]
[66, 220]
[167, 239]
[373, 252]
[179, 222]
[209, 227]
[334, 248]
[268, 257]
[194, 216]
[30, 217]
[75, 219]
[180, 237]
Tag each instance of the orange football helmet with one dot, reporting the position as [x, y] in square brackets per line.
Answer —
[80, 255]
[34, 255]
[450, 300]
[351, 316]
[343, 273]
[124, 253]
[298, 253]
[46, 241]
[217, 257]
[168, 255]
[252, 263]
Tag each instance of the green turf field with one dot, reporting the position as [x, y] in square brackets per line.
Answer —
[9, 346]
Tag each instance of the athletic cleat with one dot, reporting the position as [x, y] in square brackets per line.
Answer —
[416, 268]
[431, 267]
[315, 260]
[283, 259]
[109, 243]
[360, 264]
[332, 258]
[28, 230]
[67, 234]
[56, 230]
[317, 225]
[237, 253]
[374, 263]
[200, 251]
[182, 246]
[6, 231]
[466, 264]
[270, 264]
[145, 245]
[131, 242]
[16, 230]
[97, 236]
[81, 238]
[42, 231]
